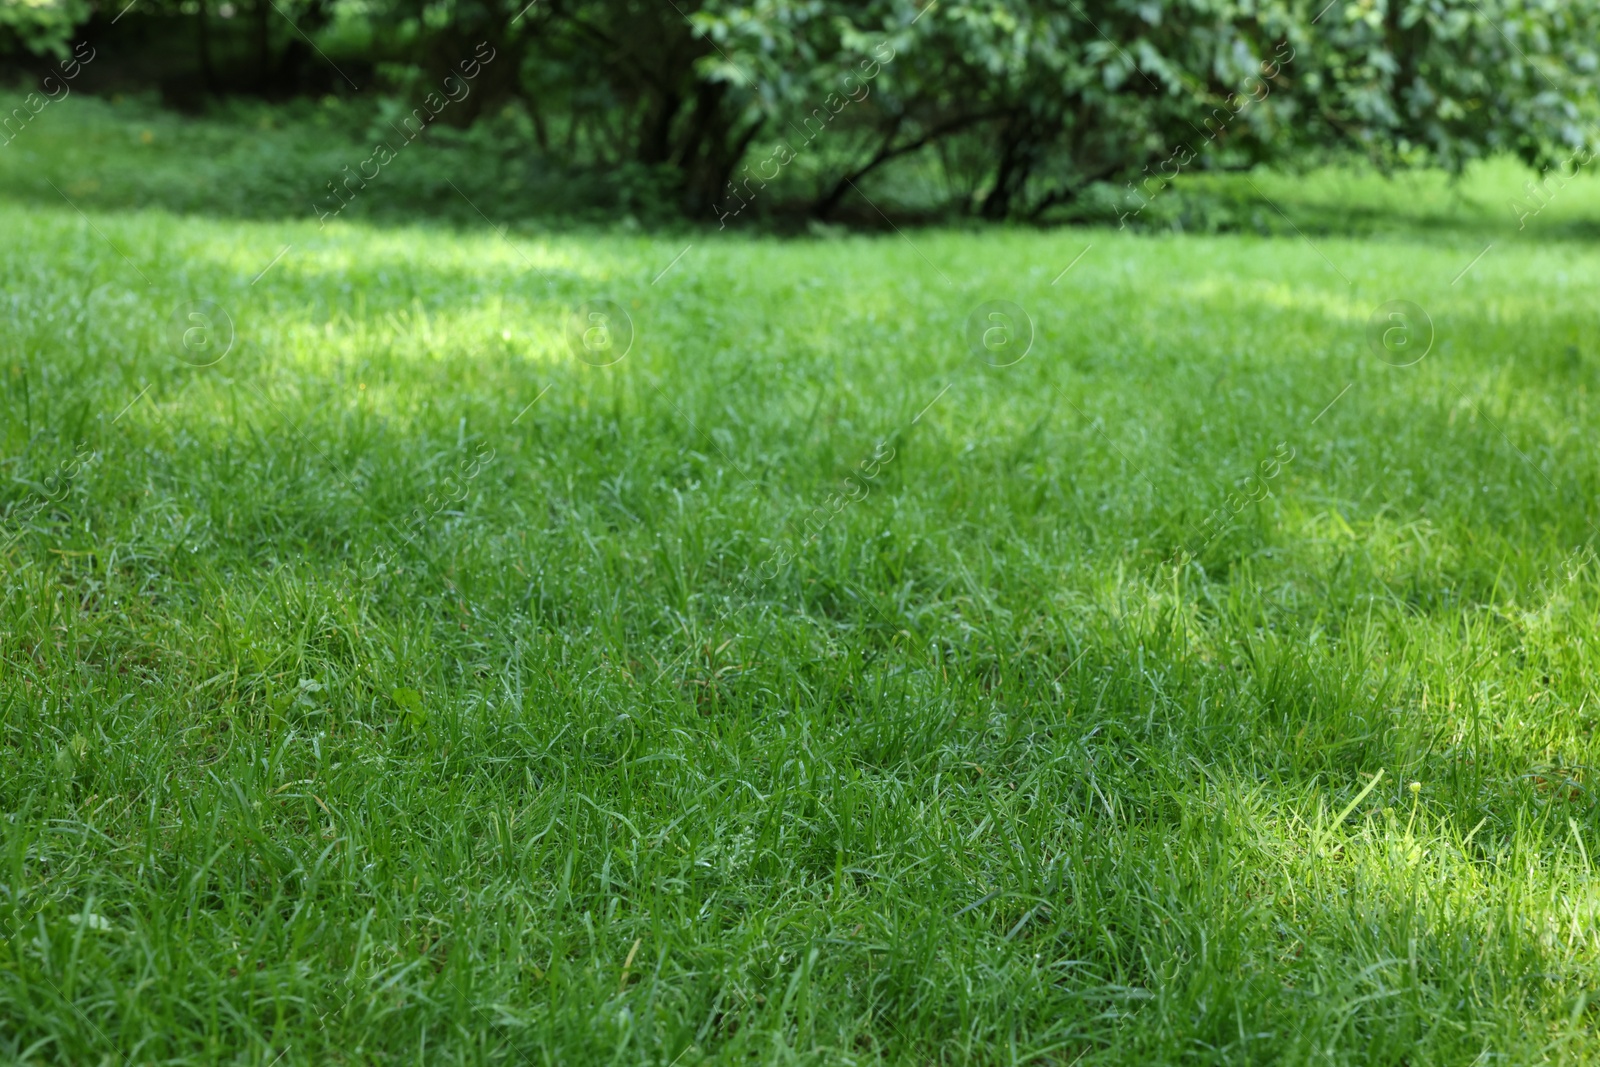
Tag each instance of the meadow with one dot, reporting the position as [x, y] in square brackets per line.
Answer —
[1193, 672]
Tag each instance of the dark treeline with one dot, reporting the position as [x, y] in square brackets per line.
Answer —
[798, 108]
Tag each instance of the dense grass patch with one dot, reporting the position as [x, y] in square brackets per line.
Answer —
[401, 687]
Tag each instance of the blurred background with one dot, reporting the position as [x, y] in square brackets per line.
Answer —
[807, 114]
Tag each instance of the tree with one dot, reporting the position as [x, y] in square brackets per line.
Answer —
[40, 27]
[1064, 93]
[1020, 105]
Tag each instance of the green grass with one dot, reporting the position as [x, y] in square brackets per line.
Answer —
[257, 161]
[331, 736]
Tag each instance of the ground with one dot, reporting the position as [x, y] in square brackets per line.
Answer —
[386, 680]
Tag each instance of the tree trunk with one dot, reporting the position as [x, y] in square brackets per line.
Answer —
[203, 25]
[1019, 154]
[263, 45]
[655, 133]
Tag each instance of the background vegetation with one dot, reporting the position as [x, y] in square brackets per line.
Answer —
[784, 110]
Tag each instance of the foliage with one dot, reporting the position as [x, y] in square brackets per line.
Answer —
[1015, 108]
[40, 27]
[1059, 96]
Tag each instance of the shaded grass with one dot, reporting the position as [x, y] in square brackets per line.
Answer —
[992, 771]
[251, 160]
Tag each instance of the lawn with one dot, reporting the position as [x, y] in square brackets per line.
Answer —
[389, 677]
